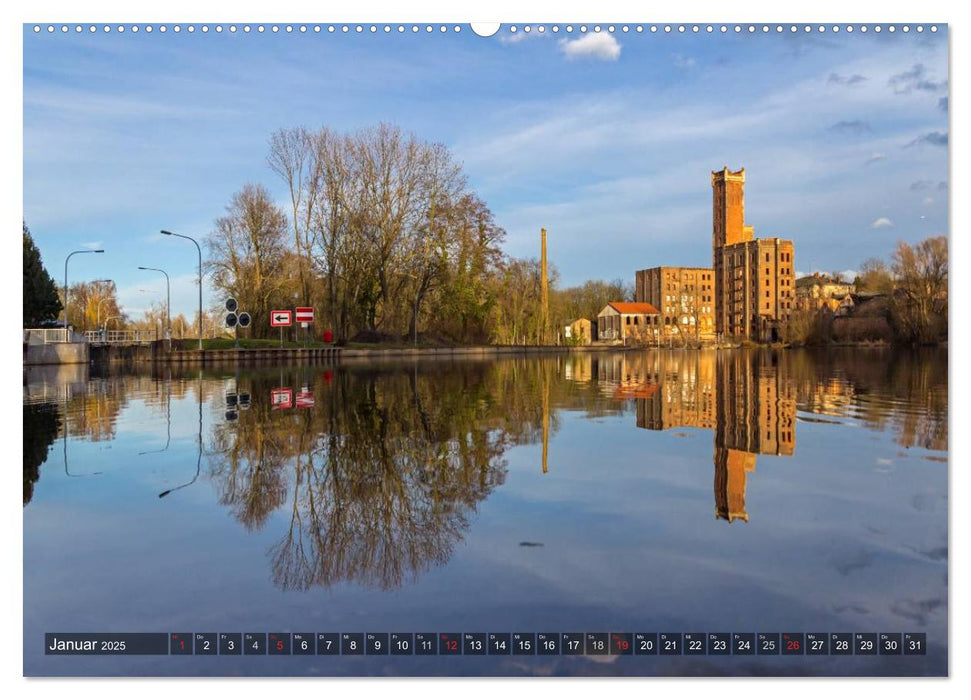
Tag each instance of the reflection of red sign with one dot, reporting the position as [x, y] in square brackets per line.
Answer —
[280, 317]
[281, 398]
[304, 314]
[305, 398]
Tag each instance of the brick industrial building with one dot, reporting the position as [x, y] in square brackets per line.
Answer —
[747, 294]
[684, 298]
[754, 277]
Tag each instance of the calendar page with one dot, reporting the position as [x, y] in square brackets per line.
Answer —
[516, 349]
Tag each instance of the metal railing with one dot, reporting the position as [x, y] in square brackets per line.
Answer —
[43, 336]
[121, 337]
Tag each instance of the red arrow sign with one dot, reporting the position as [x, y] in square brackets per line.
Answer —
[304, 314]
[281, 317]
[281, 398]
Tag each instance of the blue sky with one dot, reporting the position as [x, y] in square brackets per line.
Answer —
[605, 140]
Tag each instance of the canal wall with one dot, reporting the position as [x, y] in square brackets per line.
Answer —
[55, 354]
[252, 356]
[157, 352]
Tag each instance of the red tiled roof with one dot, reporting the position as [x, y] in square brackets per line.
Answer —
[633, 307]
[641, 391]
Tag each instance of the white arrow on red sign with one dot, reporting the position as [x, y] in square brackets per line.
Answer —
[281, 398]
[281, 317]
[304, 314]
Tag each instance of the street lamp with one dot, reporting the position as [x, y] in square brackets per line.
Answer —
[168, 299]
[188, 238]
[65, 277]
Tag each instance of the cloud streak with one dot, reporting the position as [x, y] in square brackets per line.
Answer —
[850, 80]
[933, 138]
[882, 222]
[915, 79]
[855, 127]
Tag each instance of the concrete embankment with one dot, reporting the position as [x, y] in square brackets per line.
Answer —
[55, 354]
[158, 353]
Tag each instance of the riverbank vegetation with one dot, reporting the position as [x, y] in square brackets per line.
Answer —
[904, 302]
[382, 234]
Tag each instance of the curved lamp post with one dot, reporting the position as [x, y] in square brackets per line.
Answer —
[72, 253]
[168, 299]
[189, 238]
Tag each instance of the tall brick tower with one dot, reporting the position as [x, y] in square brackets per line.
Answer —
[728, 228]
[728, 208]
[754, 277]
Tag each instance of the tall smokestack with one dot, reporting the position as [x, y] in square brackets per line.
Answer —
[545, 289]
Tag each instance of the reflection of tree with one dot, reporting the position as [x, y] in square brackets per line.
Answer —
[93, 413]
[41, 424]
[384, 474]
[903, 389]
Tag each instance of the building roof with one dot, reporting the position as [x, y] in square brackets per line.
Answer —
[632, 307]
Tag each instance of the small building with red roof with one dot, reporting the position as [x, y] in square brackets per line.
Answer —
[628, 322]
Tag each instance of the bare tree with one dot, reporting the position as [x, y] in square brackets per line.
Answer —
[295, 157]
[246, 253]
[919, 304]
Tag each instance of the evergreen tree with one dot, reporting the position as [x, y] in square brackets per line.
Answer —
[41, 301]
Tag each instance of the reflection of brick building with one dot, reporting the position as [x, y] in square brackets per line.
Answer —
[756, 403]
[686, 395]
[684, 297]
[731, 471]
[747, 398]
[754, 277]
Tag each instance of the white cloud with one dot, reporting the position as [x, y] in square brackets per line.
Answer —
[93, 245]
[600, 45]
[882, 222]
[876, 157]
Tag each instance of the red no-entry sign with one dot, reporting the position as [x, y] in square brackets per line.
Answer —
[304, 314]
[305, 398]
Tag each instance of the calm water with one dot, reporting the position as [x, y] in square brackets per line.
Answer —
[675, 491]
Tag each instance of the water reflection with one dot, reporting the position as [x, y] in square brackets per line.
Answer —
[41, 425]
[373, 474]
[746, 398]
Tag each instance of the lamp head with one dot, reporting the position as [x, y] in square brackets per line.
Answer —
[166, 233]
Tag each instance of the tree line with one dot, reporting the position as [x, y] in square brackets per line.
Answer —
[914, 291]
[384, 236]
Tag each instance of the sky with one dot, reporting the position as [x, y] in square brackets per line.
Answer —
[605, 139]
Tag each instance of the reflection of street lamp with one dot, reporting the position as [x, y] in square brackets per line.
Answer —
[199, 459]
[65, 277]
[179, 235]
[168, 299]
[168, 420]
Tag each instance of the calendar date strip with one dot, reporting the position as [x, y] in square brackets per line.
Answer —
[487, 644]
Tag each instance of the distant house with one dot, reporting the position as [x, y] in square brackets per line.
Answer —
[846, 305]
[580, 332]
[817, 291]
[628, 322]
